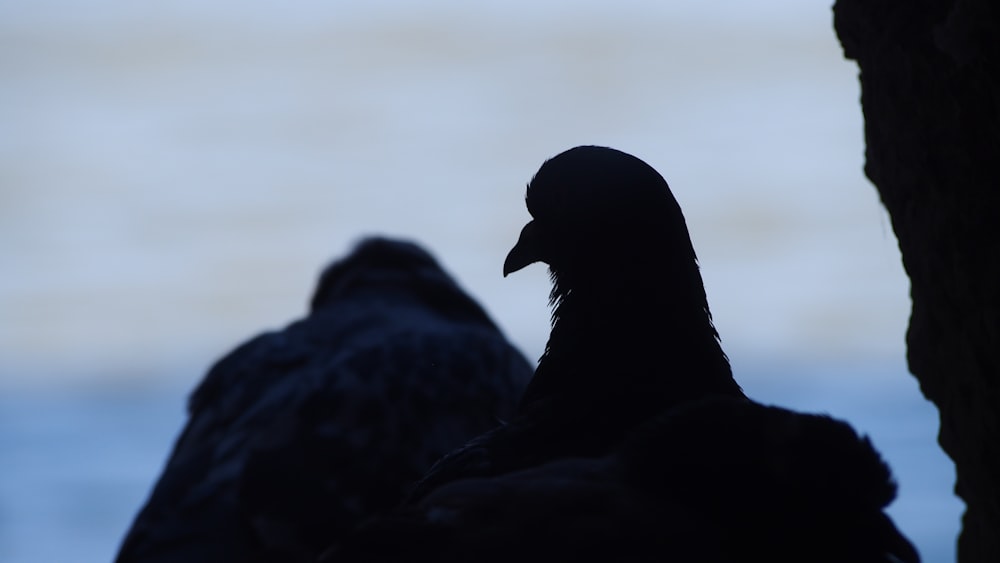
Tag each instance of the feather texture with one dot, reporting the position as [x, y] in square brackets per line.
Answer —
[633, 442]
[299, 434]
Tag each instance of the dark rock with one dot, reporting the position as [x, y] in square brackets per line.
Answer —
[930, 81]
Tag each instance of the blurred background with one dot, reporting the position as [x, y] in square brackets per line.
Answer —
[173, 176]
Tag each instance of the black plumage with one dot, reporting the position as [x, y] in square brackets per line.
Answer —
[715, 480]
[632, 333]
[633, 442]
[299, 434]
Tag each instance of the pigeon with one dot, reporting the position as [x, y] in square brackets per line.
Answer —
[633, 442]
[632, 333]
[714, 480]
[299, 434]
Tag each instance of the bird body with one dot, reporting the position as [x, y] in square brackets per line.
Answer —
[298, 434]
[633, 441]
[631, 329]
[716, 480]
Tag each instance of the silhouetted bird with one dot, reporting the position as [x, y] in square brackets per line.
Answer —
[298, 435]
[631, 329]
[633, 442]
[716, 480]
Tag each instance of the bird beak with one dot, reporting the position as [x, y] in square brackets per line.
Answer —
[526, 251]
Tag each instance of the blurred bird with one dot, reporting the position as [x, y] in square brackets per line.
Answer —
[299, 434]
[632, 441]
[715, 480]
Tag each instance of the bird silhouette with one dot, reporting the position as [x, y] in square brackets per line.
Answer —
[631, 334]
[299, 434]
[713, 480]
[633, 441]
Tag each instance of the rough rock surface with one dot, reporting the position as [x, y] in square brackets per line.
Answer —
[930, 81]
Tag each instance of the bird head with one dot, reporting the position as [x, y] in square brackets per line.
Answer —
[390, 267]
[374, 262]
[600, 209]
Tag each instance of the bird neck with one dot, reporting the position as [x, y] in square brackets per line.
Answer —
[631, 338]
